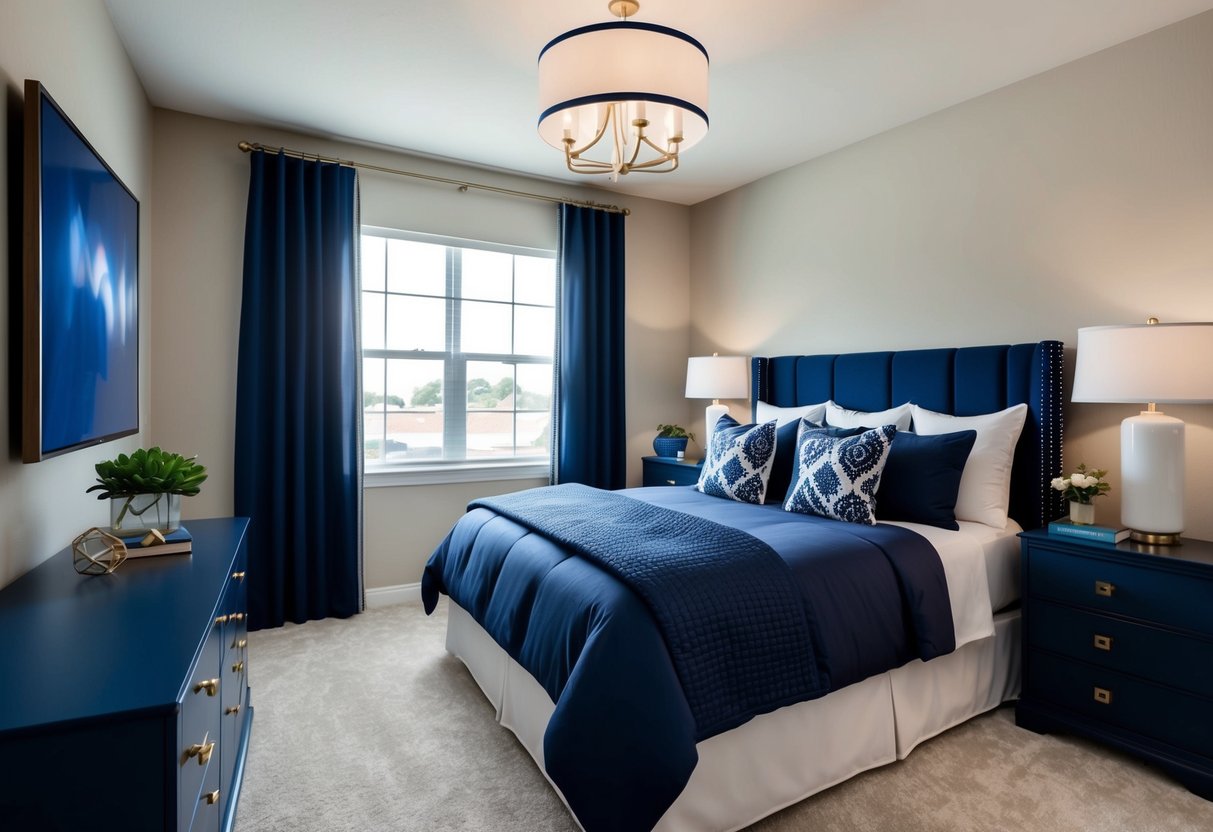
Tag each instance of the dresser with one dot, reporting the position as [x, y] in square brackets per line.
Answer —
[125, 699]
[664, 470]
[1118, 648]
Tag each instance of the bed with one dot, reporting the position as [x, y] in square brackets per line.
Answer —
[773, 756]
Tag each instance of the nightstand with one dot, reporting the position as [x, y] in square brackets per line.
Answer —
[664, 470]
[1118, 648]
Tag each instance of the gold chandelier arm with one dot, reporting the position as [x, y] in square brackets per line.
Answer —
[602, 128]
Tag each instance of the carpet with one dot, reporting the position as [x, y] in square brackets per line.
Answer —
[368, 725]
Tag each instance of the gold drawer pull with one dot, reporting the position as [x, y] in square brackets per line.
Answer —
[1103, 642]
[237, 616]
[239, 576]
[201, 750]
[670, 482]
[240, 644]
[212, 797]
[211, 686]
[1103, 696]
[1104, 588]
[238, 667]
[222, 619]
[232, 711]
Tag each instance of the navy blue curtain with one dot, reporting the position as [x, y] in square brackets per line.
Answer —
[298, 460]
[590, 438]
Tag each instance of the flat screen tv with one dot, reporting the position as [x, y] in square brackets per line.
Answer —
[81, 292]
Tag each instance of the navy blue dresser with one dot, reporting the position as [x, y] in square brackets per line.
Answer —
[124, 702]
[664, 470]
[1118, 648]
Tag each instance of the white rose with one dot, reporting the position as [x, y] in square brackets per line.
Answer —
[1060, 483]
[1083, 481]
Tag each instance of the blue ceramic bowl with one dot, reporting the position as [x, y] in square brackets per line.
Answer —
[669, 446]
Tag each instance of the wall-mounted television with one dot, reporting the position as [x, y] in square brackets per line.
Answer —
[80, 383]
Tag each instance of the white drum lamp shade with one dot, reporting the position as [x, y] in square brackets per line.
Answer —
[716, 377]
[1148, 363]
[633, 86]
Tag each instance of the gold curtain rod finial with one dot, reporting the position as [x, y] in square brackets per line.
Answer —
[246, 147]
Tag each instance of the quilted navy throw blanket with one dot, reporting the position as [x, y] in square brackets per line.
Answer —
[734, 622]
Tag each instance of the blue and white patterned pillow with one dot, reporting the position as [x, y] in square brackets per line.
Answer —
[739, 459]
[838, 476]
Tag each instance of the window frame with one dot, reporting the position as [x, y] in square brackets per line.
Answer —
[454, 377]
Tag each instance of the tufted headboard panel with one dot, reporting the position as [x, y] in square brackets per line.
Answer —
[962, 381]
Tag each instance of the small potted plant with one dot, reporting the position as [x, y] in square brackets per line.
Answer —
[1080, 488]
[671, 440]
[145, 489]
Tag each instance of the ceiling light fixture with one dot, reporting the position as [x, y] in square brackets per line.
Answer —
[640, 88]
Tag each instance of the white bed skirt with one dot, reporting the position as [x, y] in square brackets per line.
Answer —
[780, 758]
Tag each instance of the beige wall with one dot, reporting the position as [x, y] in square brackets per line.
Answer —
[72, 49]
[200, 191]
[1081, 196]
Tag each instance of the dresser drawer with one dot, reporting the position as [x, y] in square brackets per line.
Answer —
[1183, 662]
[1176, 718]
[1153, 595]
[199, 741]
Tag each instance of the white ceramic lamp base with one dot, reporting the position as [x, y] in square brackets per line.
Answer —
[1152, 490]
[711, 416]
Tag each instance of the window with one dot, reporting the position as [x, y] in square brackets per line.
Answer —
[457, 343]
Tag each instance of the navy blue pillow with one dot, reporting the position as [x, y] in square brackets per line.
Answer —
[785, 454]
[922, 478]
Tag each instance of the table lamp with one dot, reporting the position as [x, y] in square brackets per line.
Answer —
[716, 377]
[1148, 363]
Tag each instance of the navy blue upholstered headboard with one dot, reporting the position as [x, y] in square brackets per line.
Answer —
[965, 381]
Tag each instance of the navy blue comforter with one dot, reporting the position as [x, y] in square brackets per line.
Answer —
[621, 741]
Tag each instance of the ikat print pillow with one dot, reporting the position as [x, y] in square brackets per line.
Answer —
[837, 477]
[738, 463]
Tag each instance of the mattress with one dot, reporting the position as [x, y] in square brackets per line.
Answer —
[781, 757]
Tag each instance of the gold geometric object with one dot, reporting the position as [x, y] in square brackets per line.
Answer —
[153, 538]
[97, 552]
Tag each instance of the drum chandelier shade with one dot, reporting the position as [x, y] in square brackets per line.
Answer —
[633, 94]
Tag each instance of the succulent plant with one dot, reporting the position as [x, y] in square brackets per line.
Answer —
[147, 471]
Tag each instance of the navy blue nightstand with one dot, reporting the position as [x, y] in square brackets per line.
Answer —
[1118, 647]
[664, 470]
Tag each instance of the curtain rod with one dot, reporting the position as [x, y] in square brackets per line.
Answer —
[249, 147]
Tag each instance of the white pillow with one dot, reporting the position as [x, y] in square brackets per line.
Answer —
[840, 417]
[783, 415]
[985, 485]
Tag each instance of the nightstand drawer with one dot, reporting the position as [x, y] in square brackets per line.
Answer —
[1178, 719]
[1121, 589]
[662, 471]
[1170, 658]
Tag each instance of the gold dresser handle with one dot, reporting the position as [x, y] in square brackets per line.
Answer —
[233, 710]
[211, 686]
[212, 797]
[201, 750]
[1104, 589]
[239, 576]
[670, 482]
[1103, 696]
[240, 644]
[1103, 642]
[238, 667]
[237, 616]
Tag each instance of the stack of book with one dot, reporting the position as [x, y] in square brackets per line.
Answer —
[177, 542]
[1099, 534]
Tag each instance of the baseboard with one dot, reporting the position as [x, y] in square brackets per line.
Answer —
[385, 596]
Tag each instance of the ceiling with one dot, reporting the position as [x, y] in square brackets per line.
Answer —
[790, 79]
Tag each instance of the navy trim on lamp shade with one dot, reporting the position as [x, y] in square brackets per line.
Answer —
[625, 24]
[600, 97]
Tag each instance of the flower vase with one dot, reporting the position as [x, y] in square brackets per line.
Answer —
[1082, 514]
[137, 513]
